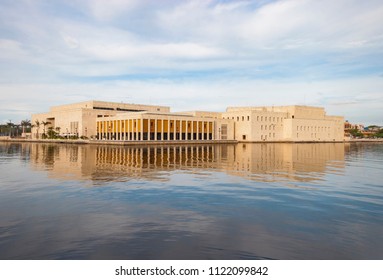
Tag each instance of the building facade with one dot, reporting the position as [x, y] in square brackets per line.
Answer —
[285, 124]
[107, 121]
[79, 119]
[153, 126]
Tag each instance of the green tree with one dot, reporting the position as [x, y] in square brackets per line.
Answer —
[356, 133]
[25, 124]
[51, 133]
[10, 126]
[379, 134]
[44, 126]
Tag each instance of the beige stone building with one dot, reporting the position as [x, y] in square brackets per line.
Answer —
[79, 119]
[107, 121]
[156, 126]
[285, 124]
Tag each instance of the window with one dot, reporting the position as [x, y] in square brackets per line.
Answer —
[224, 131]
[243, 118]
[237, 119]
[248, 118]
[257, 118]
[261, 127]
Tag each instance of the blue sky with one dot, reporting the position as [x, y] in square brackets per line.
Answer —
[202, 55]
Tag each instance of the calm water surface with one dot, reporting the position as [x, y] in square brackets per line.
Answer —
[245, 201]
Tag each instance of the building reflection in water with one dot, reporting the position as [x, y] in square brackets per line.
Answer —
[261, 162]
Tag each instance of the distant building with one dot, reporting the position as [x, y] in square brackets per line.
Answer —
[349, 127]
[131, 122]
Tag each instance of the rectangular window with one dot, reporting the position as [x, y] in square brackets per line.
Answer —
[224, 131]
[248, 118]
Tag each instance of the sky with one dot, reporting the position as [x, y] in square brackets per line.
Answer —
[193, 55]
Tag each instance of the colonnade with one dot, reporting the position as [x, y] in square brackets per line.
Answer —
[155, 129]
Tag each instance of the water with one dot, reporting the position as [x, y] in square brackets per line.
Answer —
[245, 201]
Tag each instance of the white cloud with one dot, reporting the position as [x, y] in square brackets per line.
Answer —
[107, 10]
[347, 97]
[193, 54]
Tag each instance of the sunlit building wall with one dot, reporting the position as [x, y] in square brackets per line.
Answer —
[108, 121]
[79, 119]
[285, 123]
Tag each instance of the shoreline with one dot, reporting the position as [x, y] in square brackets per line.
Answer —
[173, 142]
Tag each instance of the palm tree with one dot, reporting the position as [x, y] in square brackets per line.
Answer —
[45, 124]
[37, 124]
[25, 124]
[10, 125]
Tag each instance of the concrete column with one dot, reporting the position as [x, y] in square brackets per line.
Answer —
[174, 129]
[203, 130]
[103, 129]
[135, 129]
[168, 129]
[107, 130]
[186, 130]
[192, 130]
[207, 130]
[142, 128]
[125, 124]
[197, 134]
[155, 130]
[128, 130]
